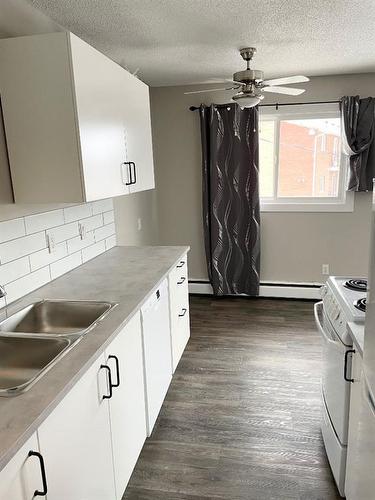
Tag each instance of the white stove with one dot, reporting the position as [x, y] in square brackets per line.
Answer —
[344, 294]
[343, 302]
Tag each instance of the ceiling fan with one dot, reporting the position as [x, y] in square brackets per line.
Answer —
[250, 85]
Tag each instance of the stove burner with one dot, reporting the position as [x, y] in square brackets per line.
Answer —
[360, 304]
[358, 285]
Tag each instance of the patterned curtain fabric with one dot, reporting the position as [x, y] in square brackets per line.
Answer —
[231, 198]
[358, 119]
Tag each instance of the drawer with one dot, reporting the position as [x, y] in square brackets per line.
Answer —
[336, 452]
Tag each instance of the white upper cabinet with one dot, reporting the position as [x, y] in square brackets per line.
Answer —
[74, 120]
[138, 134]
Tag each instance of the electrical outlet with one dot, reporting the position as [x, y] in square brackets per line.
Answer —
[325, 269]
[51, 244]
[139, 224]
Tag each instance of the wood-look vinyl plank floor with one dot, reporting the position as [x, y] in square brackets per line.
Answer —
[241, 420]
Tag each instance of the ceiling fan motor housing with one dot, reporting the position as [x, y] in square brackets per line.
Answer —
[248, 75]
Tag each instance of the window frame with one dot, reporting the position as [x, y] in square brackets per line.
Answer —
[344, 202]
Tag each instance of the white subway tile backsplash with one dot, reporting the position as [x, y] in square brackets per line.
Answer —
[110, 242]
[40, 222]
[102, 206]
[27, 284]
[77, 212]
[45, 257]
[77, 243]
[104, 232]
[109, 217]
[25, 261]
[66, 264]
[92, 223]
[11, 229]
[65, 232]
[14, 270]
[14, 249]
[91, 252]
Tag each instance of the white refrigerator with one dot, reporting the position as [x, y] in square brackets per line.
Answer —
[360, 477]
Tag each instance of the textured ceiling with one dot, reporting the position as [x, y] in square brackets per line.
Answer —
[175, 42]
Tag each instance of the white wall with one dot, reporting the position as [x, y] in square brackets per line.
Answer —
[294, 245]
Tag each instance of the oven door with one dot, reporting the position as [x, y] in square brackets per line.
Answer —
[336, 389]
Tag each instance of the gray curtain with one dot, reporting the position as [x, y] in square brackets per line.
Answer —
[231, 198]
[358, 129]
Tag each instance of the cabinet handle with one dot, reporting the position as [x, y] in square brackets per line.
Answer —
[135, 172]
[42, 493]
[349, 351]
[110, 385]
[181, 264]
[183, 312]
[117, 384]
[181, 280]
[129, 172]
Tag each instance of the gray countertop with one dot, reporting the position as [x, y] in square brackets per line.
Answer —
[126, 275]
[357, 332]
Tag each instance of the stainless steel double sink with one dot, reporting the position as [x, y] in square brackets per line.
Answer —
[33, 339]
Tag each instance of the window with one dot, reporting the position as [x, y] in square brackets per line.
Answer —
[300, 163]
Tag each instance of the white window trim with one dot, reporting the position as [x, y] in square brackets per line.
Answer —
[343, 203]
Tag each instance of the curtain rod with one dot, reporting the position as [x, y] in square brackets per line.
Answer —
[277, 105]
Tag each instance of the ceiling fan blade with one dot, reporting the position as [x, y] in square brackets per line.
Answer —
[283, 90]
[286, 80]
[207, 90]
[233, 81]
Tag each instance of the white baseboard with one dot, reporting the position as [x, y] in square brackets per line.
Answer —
[281, 290]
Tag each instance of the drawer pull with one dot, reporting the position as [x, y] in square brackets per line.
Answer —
[349, 351]
[183, 312]
[181, 280]
[110, 385]
[181, 264]
[117, 384]
[42, 493]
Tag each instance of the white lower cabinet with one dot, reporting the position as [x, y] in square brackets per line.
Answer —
[88, 446]
[157, 351]
[179, 310]
[360, 478]
[22, 476]
[127, 406]
[75, 441]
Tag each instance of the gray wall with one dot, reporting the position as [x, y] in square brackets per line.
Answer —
[294, 245]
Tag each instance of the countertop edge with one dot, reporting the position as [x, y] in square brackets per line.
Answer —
[356, 333]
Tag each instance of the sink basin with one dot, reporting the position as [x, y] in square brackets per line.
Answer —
[56, 317]
[23, 360]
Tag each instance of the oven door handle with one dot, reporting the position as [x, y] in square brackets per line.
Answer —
[318, 311]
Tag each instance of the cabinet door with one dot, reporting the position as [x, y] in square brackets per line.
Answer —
[98, 87]
[179, 310]
[21, 477]
[138, 133]
[75, 441]
[127, 406]
[360, 480]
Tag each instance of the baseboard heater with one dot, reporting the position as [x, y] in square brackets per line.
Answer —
[267, 289]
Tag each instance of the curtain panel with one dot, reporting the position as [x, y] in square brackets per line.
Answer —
[230, 183]
[358, 126]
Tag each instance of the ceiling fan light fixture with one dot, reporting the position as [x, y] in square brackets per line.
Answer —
[247, 100]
